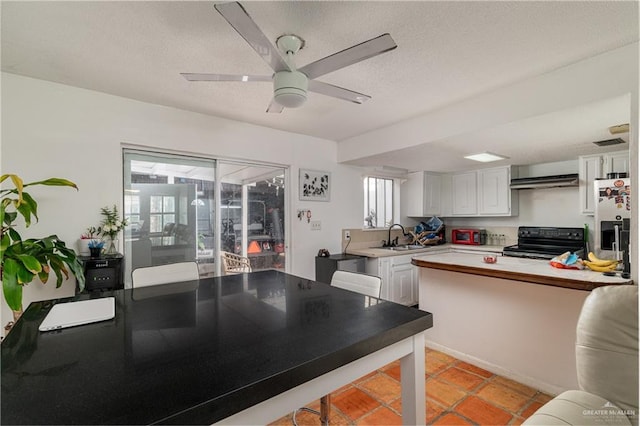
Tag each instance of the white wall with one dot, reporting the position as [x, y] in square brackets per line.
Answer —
[537, 207]
[523, 331]
[52, 130]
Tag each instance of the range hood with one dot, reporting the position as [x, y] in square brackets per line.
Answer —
[545, 181]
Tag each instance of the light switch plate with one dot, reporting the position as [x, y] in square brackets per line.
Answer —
[315, 225]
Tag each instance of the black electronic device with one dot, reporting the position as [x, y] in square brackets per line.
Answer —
[103, 273]
[323, 253]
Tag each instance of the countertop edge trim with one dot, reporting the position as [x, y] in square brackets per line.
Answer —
[517, 276]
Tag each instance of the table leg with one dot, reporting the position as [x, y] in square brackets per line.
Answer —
[412, 376]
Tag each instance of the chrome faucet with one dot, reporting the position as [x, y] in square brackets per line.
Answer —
[394, 243]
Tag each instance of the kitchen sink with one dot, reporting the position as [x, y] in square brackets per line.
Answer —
[405, 247]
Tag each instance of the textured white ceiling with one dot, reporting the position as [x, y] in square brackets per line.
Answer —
[447, 52]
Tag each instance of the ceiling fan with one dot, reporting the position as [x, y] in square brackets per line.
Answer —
[290, 84]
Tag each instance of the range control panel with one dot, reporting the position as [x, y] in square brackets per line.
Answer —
[550, 233]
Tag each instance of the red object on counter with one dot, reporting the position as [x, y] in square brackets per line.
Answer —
[474, 237]
[561, 265]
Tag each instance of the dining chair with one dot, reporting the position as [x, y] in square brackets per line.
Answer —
[234, 263]
[165, 274]
[367, 285]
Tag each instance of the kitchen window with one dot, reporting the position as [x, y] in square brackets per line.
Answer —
[378, 202]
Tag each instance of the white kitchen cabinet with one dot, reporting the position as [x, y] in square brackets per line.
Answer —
[484, 192]
[464, 194]
[399, 278]
[380, 266]
[495, 197]
[403, 280]
[592, 167]
[616, 162]
[424, 192]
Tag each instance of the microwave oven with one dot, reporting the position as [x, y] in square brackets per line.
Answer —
[475, 237]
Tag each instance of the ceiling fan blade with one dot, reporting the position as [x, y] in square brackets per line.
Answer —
[224, 77]
[240, 20]
[274, 107]
[337, 92]
[350, 56]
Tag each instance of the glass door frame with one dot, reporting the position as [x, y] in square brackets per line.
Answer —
[217, 227]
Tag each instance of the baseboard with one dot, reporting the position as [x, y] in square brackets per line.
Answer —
[496, 369]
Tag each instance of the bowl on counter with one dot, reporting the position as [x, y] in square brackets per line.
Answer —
[490, 258]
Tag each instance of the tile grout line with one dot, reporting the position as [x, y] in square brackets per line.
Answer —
[448, 362]
[515, 415]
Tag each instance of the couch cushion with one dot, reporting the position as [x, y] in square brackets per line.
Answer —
[607, 345]
[577, 407]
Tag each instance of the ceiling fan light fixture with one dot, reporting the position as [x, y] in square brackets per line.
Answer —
[290, 88]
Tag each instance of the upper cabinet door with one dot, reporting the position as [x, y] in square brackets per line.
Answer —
[590, 168]
[464, 194]
[424, 193]
[494, 193]
[616, 162]
[594, 167]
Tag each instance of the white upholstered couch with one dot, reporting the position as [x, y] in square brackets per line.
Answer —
[607, 364]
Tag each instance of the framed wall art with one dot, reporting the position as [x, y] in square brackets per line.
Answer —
[314, 185]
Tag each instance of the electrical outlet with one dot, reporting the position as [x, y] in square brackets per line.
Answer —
[347, 235]
[315, 225]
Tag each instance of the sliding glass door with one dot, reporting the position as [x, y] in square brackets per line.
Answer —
[252, 210]
[172, 202]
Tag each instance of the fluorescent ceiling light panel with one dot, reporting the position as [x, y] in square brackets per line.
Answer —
[485, 157]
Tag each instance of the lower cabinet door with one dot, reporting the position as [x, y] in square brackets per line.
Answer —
[402, 284]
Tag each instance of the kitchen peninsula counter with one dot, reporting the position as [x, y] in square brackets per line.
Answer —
[516, 318]
[517, 269]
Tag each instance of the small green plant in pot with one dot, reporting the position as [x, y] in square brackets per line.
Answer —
[22, 260]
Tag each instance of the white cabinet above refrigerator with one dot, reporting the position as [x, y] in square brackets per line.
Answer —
[594, 167]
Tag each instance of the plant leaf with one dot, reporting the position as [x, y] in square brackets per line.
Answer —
[43, 276]
[9, 217]
[10, 287]
[4, 243]
[28, 207]
[24, 275]
[53, 182]
[13, 234]
[19, 184]
[31, 263]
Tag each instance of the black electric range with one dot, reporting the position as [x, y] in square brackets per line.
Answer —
[538, 242]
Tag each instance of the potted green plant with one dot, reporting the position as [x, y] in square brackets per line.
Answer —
[91, 234]
[22, 260]
[110, 226]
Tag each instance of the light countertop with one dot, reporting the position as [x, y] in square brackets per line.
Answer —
[515, 268]
[443, 248]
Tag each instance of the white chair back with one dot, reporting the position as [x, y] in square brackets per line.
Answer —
[369, 285]
[165, 274]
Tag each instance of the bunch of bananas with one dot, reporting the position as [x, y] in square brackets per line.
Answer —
[600, 265]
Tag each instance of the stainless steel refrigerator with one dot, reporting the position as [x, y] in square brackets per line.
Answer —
[612, 217]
